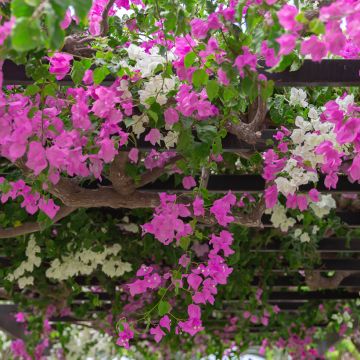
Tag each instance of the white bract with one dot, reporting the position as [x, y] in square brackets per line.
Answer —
[86, 261]
[147, 62]
[27, 266]
[298, 97]
[157, 87]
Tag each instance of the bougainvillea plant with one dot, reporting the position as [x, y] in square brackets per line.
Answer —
[125, 93]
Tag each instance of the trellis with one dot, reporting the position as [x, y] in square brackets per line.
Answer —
[337, 254]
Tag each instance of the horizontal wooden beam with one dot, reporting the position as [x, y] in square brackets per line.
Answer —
[249, 184]
[324, 73]
[293, 282]
[326, 245]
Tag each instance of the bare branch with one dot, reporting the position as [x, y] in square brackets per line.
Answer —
[204, 179]
[104, 25]
[72, 194]
[248, 132]
[252, 219]
[76, 45]
[122, 183]
[314, 280]
[31, 227]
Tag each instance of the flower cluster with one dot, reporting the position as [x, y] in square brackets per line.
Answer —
[21, 273]
[320, 144]
[85, 261]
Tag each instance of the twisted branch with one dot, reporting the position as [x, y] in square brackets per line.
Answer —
[248, 132]
[31, 227]
[76, 45]
[314, 280]
[104, 25]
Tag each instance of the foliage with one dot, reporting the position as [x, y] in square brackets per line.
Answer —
[125, 94]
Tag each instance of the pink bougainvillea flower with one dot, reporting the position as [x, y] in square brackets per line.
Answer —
[49, 207]
[354, 169]
[167, 224]
[193, 325]
[134, 155]
[137, 287]
[194, 281]
[20, 317]
[334, 37]
[188, 182]
[198, 206]
[222, 242]
[269, 54]
[287, 16]
[60, 64]
[200, 249]
[18, 349]
[144, 270]
[246, 59]
[199, 28]
[222, 76]
[287, 43]
[222, 207]
[246, 314]
[314, 47]
[271, 196]
[165, 322]
[302, 202]
[154, 137]
[36, 157]
[184, 261]
[67, 20]
[314, 195]
[88, 77]
[153, 281]
[171, 116]
[348, 132]
[5, 30]
[107, 150]
[158, 333]
[124, 336]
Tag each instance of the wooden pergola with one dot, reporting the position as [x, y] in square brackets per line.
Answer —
[337, 254]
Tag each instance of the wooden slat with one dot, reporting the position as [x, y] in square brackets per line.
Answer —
[324, 73]
[249, 184]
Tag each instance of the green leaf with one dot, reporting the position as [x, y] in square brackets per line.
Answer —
[267, 90]
[184, 242]
[163, 308]
[212, 89]
[153, 115]
[189, 59]
[50, 90]
[162, 291]
[77, 72]
[32, 90]
[82, 8]
[19, 8]
[200, 77]
[170, 22]
[206, 133]
[26, 35]
[229, 93]
[100, 74]
[317, 27]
